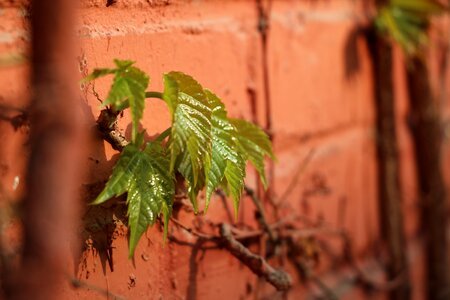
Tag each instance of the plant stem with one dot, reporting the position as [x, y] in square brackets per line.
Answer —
[163, 135]
[154, 95]
[133, 134]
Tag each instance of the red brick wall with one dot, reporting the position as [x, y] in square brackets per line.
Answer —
[314, 105]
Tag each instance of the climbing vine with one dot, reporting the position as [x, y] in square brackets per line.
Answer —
[204, 146]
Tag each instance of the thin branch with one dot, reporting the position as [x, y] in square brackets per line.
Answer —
[157, 95]
[248, 234]
[257, 264]
[76, 283]
[223, 198]
[180, 242]
[200, 235]
[163, 135]
[360, 275]
[107, 125]
[262, 215]
[305, 271]
[308, 232]
[181, 196]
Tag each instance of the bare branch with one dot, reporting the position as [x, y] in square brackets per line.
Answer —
[107, 125]
[76, 283]
[262, 215]
[200, 235]
[257, 264]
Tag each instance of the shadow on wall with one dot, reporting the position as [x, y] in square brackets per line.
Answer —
[101, 225]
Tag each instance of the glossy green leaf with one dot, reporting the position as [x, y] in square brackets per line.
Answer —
[161, 160]
[190, 142]
[204, 146]
[235, 175]
[184, 166]
[127, 90]
[145, 176]
[254, 144]
[226, 166]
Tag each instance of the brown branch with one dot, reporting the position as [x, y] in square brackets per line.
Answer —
[261, 218]
[257, 264]
[389, 285]
[77, 284]
[224, 201]
[304, 271]
[360, 275]
[198, 234]
[107, 125]
[263, 29]
[248, 234]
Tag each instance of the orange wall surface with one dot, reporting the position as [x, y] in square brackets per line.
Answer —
[315, 104]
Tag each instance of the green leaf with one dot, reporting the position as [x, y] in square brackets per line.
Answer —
[225, 161]
[155, 150]
[170, 95]
[254, 145]
[388, 20]
[127, 90]
[118, 94]
[190, 142]
[235, 175]
[123, 64]
[185, 169]
[97, 73]
[419, 6]
[145, 176]
[406, 21]
[163, 135]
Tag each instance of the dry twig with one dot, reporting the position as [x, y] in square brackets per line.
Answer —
[76, 283]
[107, 125]
[198, 234]
[261, 214]
[257, 264]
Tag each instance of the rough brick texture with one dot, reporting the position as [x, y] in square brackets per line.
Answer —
[315, 105]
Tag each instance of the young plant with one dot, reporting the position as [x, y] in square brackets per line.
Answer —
[208, 149]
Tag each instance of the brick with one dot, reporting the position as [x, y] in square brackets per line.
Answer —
[171, 46]
[309, 88]
[314, 105]
[339, 185]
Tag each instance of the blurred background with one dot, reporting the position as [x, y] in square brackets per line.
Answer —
[353, 94]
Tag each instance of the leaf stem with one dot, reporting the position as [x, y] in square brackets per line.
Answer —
[133, 134]
[163, 135]
[152, 94]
